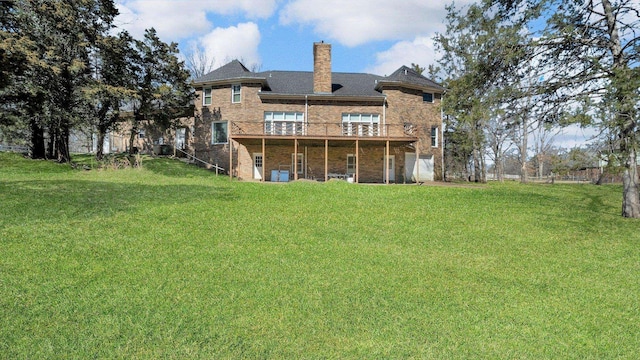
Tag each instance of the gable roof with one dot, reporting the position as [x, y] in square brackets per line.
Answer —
[407, 76]
[231, 71]
[300, 83]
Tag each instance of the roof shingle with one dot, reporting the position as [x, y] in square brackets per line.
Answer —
[301, 82]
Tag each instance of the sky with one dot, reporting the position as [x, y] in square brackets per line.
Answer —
[367, 36]
[372, 36]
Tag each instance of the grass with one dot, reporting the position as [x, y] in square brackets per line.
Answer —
[170, 261]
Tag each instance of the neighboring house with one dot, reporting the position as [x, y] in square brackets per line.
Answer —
[289, 125]
[148, 140]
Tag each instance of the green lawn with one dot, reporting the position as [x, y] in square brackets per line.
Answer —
[170, 261]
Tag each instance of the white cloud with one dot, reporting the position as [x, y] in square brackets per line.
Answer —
[178, 19]
[235, 42]
[420, 51]
[356, 22]
[171, 21]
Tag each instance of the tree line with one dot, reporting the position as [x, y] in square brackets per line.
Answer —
[518, 69]
[63, 67]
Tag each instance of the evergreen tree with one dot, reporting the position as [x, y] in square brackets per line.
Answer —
[163, 93]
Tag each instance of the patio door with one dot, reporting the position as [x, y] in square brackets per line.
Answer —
[391, 164]
[257, 166]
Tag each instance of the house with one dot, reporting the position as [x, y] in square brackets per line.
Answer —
[148, 139]
[289, 125]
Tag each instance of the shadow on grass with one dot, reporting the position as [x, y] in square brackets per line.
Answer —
[28, 201]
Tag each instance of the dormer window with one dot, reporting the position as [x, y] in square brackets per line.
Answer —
[235, 93]
[427, 97]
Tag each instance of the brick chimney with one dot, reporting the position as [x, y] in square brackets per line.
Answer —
[322, 68]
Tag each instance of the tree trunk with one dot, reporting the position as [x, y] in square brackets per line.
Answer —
[476, 165]
[540, 166]
[62, 142]
[132, 137]
[51, 146]
[630, 193]
[37, 140]
[99, 144]
[524, 178]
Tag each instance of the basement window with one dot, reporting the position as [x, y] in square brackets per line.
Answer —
[351, 164]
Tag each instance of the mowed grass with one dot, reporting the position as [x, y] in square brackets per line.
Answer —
[170, 261]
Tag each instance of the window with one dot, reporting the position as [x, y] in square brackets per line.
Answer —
[141, 134]
[434, 136]
[235, 93]
[427, 97]
[219, 132]
[257, 161]
[360, 124]
[181, 137]
[283, 123]
[206, 96]
[351, 164]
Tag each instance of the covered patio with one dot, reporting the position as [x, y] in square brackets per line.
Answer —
[318, 154]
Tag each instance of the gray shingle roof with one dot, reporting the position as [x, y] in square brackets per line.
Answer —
[230, 71]
[301, 82]
[407, 75]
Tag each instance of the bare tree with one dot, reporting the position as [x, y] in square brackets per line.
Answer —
[198, 62]
[499, 133]
[543, 136]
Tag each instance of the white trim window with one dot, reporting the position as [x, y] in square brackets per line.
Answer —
[434, 136]
[219, 133]
[206, 96]
[283, 123]
[236, 91]
[351, 164]
[355, 124]
[427, 97]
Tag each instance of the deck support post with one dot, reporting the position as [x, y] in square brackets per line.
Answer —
[326, 160]
[417, 163]
[295, 159]
[386, 162]
[230, 159]
[264, 162]
[357, 179]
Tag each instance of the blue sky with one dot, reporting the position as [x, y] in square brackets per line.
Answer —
[374, 36]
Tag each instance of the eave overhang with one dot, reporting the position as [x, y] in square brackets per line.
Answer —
[386, 83]
[231, 81]
[326, 97]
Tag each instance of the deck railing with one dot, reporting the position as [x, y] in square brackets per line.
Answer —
[337, 129]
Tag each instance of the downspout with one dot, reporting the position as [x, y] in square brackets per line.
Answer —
[306, 113]
[384, 115]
